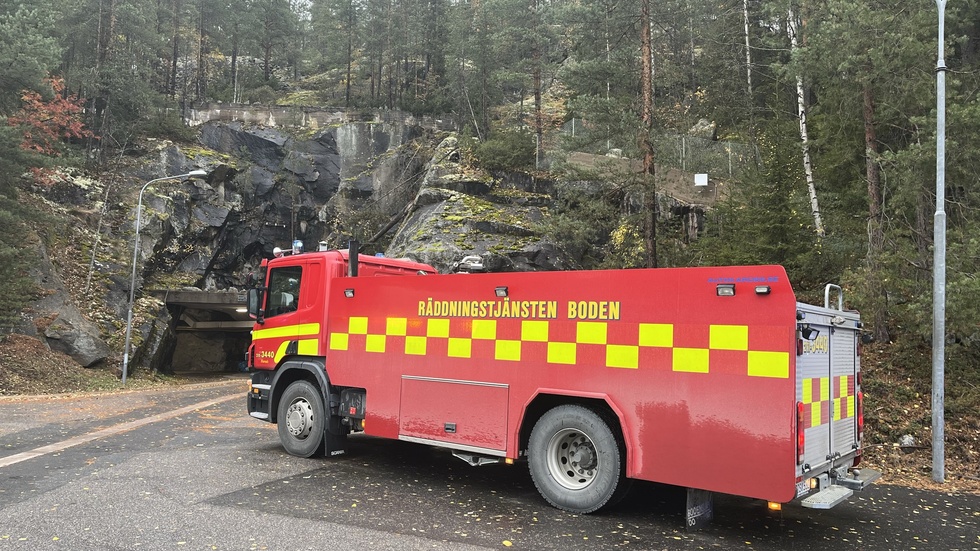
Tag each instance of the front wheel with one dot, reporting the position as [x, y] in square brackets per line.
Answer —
[301, 420]
[576, 461]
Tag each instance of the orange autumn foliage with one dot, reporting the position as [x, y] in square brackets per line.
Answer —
[46, 123]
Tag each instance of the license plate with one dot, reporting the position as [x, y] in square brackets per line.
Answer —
[802, 488]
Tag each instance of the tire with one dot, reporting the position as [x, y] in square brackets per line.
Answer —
[301, 419]
[576, 461]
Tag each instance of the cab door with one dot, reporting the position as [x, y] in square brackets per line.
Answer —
[291, 324]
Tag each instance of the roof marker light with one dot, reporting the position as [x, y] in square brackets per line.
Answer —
[726, 289]
[349, 293]
[500, 291]
[762, 289]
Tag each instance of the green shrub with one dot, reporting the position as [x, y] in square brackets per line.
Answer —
[169, 126]
[507, 150]
[263, 94]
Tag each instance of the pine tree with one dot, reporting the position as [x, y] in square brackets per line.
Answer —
[28, 52]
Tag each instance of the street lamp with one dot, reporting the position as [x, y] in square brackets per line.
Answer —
[194, 174]
[939, 266]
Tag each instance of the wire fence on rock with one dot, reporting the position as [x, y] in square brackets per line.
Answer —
[717, 159]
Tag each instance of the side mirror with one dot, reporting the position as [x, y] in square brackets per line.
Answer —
[255, 299]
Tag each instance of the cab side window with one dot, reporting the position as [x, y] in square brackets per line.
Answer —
[284, 284]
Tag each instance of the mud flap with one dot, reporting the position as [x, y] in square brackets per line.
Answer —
[334, 437]
[700, 508]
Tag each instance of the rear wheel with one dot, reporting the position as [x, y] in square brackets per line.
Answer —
[576, 461]
[301, 419]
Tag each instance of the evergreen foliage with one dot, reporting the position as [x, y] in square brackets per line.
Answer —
[28, 51]
[14, 262]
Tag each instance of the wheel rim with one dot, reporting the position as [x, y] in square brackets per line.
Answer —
[572, 459]
[299, 418]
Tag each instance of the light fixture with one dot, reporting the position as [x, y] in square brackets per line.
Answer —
[809, 333]
[774, 506]
[762, 289]
[241, 310]
[726, 289]
[192, 175]
[501, 292]
[349, 293]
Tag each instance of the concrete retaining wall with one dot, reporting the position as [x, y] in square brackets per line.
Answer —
[312, 117]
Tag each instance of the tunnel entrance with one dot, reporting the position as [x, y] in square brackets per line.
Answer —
[211, 330]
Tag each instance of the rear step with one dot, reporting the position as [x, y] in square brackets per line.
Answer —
[841, 489]
[828, 497]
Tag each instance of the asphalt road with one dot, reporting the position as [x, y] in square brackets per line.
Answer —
[187, 468]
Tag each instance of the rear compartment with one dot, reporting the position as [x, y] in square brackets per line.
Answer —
[829, 403]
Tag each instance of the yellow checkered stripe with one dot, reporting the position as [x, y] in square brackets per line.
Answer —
[843, 405]
[824, 406]
[308, 346]
[816, 394]
[759, 363]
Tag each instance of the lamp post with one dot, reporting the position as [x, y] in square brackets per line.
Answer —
[939, 267]
[194, 174]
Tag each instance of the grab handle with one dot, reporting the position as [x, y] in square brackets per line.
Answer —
[840, 296]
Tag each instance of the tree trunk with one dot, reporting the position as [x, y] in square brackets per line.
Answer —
[235, 96]
[200, 88]
[176, 50]
[792, 28]
[267, 62]
[107, 26]
[537, 83]
[350, 51]
[748, 50]
[876, 234]
[646, 141]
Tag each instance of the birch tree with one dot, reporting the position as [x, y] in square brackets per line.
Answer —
[793, 30]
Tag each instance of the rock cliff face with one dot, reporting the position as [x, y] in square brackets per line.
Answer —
[403, 186]
[462, 212]
[280, 188]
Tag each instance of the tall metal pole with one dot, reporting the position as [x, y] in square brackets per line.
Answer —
[939, 266]
[136, 248]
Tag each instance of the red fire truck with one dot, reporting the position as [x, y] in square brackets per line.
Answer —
[714, 379]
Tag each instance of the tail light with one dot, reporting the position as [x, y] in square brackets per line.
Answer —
[860, 416]
[800, 434]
